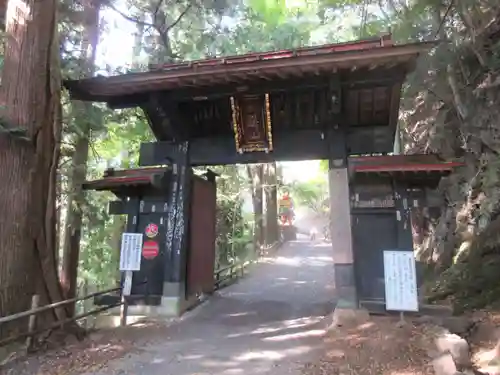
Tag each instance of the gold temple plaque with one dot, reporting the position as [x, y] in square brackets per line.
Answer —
[252, 123]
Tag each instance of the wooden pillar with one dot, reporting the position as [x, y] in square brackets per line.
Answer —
[403, 217]
[177, 233]
[405, 202]
[340, 210]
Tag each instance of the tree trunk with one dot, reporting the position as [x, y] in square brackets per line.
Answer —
[255, 175]
[76, 198]
[118, 227]
[271, 192]
[29, 155]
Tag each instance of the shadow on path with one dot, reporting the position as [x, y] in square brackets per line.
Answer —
[268, 322]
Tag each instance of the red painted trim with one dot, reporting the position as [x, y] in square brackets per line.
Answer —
[383, 41]
[408, 167]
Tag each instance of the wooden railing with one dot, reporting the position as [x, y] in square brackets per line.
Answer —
[223, 277]
[32, 330]
[228, 274]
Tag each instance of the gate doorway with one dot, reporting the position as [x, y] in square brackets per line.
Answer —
[372, 234]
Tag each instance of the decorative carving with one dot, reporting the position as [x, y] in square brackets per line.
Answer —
[252, 123]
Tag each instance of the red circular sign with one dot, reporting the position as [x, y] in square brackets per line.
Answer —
[150, 249]
[151, 230]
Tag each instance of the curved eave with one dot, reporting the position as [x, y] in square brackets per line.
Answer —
[107, 88]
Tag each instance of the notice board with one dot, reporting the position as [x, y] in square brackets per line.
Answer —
[400, 281]
[130, 252]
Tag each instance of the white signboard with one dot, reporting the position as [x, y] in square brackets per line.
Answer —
[400, 281]
[130, 253]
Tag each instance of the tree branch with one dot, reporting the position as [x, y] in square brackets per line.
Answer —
[173, 24]
[128, 18]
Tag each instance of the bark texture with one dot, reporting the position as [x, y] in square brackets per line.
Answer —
[29, 154]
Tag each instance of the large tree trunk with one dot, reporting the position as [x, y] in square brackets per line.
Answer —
[271, 192]
[76, 198]
[29, 154]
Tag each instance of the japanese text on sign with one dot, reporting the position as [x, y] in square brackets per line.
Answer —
[130, 252]
[400, 281]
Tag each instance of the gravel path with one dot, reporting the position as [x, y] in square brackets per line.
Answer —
[269, 322]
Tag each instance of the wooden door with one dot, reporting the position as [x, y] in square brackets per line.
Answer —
[372, 234]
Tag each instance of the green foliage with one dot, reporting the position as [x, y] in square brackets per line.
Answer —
[312, 194]
[234, 232]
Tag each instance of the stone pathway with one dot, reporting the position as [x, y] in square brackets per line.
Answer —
[268, 323]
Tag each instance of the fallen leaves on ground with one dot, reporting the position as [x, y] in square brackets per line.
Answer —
[92, 353]
[380, 346]
[484, 343]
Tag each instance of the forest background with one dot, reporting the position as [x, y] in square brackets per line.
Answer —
[56, 233]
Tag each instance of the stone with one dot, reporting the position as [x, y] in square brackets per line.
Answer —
[459, 325]
[348, 317]
[456, 346]
[444, 365]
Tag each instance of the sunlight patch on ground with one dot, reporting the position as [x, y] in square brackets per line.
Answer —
[323, 244]
[294, 336]
[294, 262]
[323, 259]
[106, 348]
[157, 361]
[273, 354]
[213, 363]
[301, 322]
[283, 326]
[246, 313]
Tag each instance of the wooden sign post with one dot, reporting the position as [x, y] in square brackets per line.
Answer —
[130, 261]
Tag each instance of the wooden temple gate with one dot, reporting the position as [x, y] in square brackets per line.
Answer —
[331, 102]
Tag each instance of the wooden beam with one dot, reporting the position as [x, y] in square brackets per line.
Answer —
[290, 146]
[358, 79]
[162, 114]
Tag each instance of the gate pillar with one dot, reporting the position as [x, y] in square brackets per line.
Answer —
[403, 216]
[340, 221]
[177, 230]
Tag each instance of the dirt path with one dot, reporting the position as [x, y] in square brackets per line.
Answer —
[269, 322]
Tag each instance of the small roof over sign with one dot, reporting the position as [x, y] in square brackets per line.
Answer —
[367, 53]
[424, 170]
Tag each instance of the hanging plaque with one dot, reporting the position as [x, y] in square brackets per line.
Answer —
[252, 123]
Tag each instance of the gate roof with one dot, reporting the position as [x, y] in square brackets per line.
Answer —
[286, 64]
[421, 170]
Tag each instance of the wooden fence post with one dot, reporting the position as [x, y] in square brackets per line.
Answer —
[123, 312]
[35, 300]
[127, 288]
